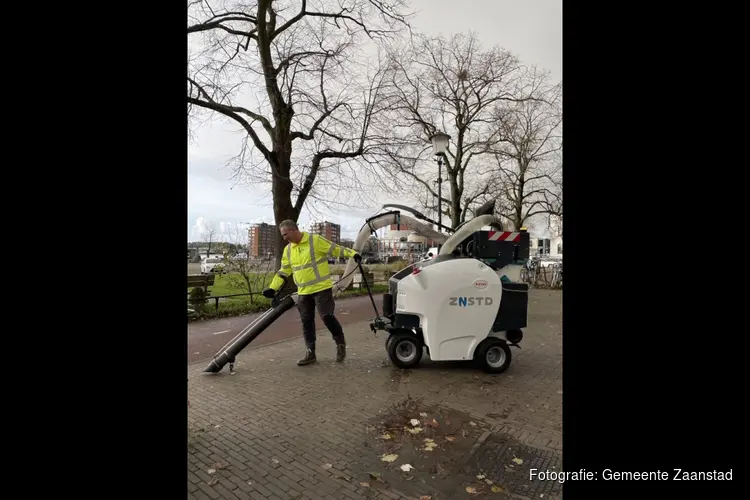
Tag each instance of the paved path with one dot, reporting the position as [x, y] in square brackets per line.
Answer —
[205, 338]
[276, 431]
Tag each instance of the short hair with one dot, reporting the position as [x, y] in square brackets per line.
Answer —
[289, 224]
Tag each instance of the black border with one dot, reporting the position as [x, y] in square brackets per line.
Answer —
[108, 144]
[646, 369]
[646, 374]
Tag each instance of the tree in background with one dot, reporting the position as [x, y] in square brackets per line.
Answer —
[295, 76]
[454, 86]
[527, 175]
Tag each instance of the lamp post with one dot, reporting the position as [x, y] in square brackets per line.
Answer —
[440, 148]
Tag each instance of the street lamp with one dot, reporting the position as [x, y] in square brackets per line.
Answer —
[440, 148]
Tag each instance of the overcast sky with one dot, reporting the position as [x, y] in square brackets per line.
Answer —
[532, 29]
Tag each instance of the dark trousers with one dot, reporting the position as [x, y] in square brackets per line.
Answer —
[324, 303]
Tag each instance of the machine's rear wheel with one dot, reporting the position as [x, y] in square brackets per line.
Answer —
[404, 349]
[493, 355]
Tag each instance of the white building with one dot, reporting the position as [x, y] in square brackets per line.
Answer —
[546, 236]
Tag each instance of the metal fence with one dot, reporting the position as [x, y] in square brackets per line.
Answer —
[542, 276]
[216, 299]
[535, 275]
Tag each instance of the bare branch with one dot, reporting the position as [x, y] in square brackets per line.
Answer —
[453, 86]
[528, 172]
[299, 69]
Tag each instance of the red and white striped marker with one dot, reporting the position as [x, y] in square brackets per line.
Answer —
[504, 236]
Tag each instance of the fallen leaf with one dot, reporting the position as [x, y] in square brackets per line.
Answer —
[472, 424]
[364, 485]
[213, 481]
[471, 489]
[326, 466]
[374, 475]
[220, 466]
[481, 476]
[406, 467]
[489, 481]
[275, 461]
[434, 423]
[425, 497]
[497, 489]
[517, 460]
[414, 430]
[389, 458]
[414, 422]
[430, 446]
[423, 415]
[450, 438]
[429, 440]
[386, 436]
[211, 471]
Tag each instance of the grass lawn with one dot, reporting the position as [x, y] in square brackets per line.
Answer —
[230, 284]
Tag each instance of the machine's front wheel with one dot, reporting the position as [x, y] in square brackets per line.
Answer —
[404, 349]
[493, 355]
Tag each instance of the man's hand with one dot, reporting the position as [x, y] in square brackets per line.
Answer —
[269, 293]
[357, 258]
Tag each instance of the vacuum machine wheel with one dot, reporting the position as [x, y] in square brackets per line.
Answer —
[404, 349]
[493, 355]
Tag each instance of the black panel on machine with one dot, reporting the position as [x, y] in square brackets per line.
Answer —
[388, 305]
[499, 253]
[514, 305]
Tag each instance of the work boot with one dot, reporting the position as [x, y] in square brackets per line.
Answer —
[308, 359]
[340, 352]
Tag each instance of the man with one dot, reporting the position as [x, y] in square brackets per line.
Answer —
[306, 259]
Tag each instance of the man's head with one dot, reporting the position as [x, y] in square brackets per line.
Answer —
[290, 232]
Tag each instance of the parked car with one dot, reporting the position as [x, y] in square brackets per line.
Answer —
[212, 265]
[547, 261]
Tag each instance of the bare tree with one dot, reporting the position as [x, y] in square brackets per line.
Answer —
[527, 178]
[371, 246]
[207, 234]
[451, 86]
[244, 273]
[346, 242]
[289, 72]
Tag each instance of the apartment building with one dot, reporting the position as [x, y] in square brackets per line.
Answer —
[328, 230]
[260, 240]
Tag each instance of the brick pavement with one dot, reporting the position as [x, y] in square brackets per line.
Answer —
[277, 431]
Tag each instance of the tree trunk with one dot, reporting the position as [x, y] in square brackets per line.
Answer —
[282, 195]
[455, 204]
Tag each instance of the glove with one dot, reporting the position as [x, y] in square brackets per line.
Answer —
[269, 293]
[357, 258]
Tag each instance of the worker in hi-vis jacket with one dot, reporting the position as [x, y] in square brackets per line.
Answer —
[305, 258]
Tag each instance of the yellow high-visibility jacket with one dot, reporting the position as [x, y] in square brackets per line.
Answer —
[307, 263]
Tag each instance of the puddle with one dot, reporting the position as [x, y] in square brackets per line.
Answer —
[434, 441]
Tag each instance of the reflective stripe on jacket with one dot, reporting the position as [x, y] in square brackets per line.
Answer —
[307, 263]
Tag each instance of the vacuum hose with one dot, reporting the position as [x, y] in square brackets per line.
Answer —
[469, 228]
[248, 334]
[376, 223]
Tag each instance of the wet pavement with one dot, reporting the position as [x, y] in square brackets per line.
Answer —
[274, 430]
